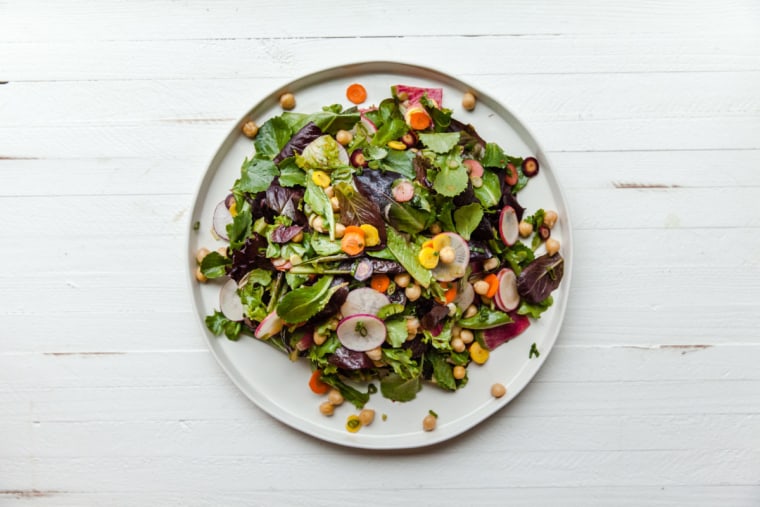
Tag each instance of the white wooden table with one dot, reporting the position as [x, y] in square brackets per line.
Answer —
[110, 113]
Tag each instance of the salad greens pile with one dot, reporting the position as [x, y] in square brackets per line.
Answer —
[380, 245]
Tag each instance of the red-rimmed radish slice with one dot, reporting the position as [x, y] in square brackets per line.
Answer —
[473, 167]
[305, 342]
[403, 191]
[465, 297]
[270, 326]
[508, 225]
[361, 332]
[447, 272]
[222, 217]
[507, 298]
[367, 123]
[364, 300]
[229, 301]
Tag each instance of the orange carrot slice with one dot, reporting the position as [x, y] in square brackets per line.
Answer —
[356, 93]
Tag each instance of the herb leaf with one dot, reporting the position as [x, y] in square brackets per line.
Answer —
[440, 143]
[218, 324]
[396, 388]
[215, 265]
[256, 175]
[467, 219]
[272, 137]
[301, 304]
[407, 256]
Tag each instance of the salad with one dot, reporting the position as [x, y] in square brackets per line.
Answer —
[384, 245]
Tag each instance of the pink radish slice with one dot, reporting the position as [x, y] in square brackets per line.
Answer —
[371, 127]
[229, 301]
[474, 168]
[364, 300]
[222, 217]
[361, 332]
[343, 155]
[403, 191]
[448, 272]
[507, 298]
[498, 335]
[305, 342]
[270, 326]
[508, 225]
[465, 297]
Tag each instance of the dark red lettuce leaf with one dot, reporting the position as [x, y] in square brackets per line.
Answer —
[285, 201]
[299, 141]
[433, 317]
[508, 199]
[251, 256]
[469, 138]
[284, 234]
[336, 300]
[540, 278]
[358, 208]
[417, 346]
[498, 335]
[350, 359]
[421, 165]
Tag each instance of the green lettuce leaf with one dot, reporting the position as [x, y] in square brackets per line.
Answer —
[442, 370]
[321, 153]
[489, 194]
[214, 265]
[467, 219]
[440, 143]
[407, 257]
[219, 324]
[494, 156]
[397, 331]
[301, 304]
[452, 178]
[396, 388]
[271, 137]
[256, 175]
[402, 363]
[290, 174]
[536, 310]
[316, 197]
[329, 121]
[391, 130]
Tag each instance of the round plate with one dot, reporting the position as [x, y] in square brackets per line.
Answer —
[278, 385]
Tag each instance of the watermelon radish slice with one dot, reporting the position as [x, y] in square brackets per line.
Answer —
[507, 298]
[270, 326]
[508, 225]
[229, 301]
[364, 300]
[465, 297]
[414, 94]
[446, 272]
[222, 217]
[499, 335]
[361, 332]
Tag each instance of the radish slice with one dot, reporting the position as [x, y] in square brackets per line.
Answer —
[361, 332]
[222, 217]
[404, 191]
[508, 225]
[270, 326]
[343, 155]
[507, 298]
[371, 127]
[364, 300]
[446, 272]
[473, 167]
[229, 301]
[465, 297]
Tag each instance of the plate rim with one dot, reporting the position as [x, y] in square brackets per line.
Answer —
[374, 67]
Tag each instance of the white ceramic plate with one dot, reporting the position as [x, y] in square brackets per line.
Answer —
[279, 386]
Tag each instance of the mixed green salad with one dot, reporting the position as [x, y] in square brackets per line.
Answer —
[384, 245]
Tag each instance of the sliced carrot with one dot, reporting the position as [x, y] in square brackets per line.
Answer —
[493, 285]
[450, 294]
[356, 93]
[316, 384]
[419, 120]
[352, 241]
[380, 282]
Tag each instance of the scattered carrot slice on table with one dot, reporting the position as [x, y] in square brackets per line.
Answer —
[380, 282]
[352, 242]
[493, 285]
[356, 93]
[316, 384]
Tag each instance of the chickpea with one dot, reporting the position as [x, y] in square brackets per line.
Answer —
[471, 311]
[477, 181]
[222, 250]
[429, 422]
[201, 254]
[330, 191]
[340, 230]
[327, 408]
[334, 203]
[457, 344]
[550, 218]
[319, 338]
[525, 229]
[366, 416]
[486, 300]
[466, 336]
[491, 263]
[298, 238]
[250, 129]
[459, 372]
[447, 255]
[481, 287]
[375, 354]
[435, 228]
[455, 330]
[402, 280]
[468, 101]
[413, 292]
[295, 259]
[552, 246]
[344, 137]
[412, 325]
[498, 390]
[199, 275]
[319, 224]
[335, 397]
[287, 101]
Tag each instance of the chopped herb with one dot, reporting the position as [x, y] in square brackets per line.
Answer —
[533, 351]
[197, 225]
[433, 414]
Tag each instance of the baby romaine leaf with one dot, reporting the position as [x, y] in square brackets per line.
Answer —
[256, 175]
[396, 388]
[441, 142]
[301, 304]
[272, 137]
[407, 256]
[489, 193]
[215, 265]
[467, 219]
[240, 227]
